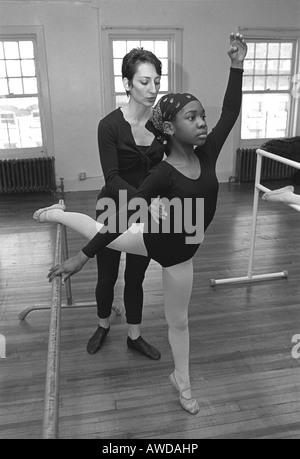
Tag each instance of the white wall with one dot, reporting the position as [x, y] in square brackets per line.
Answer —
[73, 40]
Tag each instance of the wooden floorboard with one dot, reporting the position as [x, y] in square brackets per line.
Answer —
[242, 369]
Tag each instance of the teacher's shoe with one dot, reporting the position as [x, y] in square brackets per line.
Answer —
[97, 340]
[141, 346]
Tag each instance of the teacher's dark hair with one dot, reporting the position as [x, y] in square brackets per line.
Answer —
[136, 57]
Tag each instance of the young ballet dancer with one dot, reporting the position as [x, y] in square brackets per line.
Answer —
[189, 173]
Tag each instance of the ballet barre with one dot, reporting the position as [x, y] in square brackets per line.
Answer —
[51, 406]
[251, 277]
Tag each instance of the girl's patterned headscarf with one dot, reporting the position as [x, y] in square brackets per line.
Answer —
[165, 110]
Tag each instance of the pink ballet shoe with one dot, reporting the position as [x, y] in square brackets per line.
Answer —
[188, 404]
[269, 194]
[40, 215]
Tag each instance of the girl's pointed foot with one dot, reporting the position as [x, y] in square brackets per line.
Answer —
[40, 215]
[188, 404]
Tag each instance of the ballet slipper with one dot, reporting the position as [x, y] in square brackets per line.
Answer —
[269, 194]
[188, 404]
[40, 215]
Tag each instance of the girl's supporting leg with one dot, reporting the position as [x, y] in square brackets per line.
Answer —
[131, 241]
[178, 284]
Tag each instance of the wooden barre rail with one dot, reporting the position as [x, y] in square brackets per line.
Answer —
[50, 426]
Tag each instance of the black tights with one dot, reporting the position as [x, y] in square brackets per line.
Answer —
[108, 262]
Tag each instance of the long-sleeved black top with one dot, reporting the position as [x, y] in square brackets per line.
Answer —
[167, 182]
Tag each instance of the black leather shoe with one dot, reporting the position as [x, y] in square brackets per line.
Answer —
[97, 340]
[144, 348]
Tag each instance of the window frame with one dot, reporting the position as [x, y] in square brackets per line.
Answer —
[273, 35]
[35, 34]
[110, 34]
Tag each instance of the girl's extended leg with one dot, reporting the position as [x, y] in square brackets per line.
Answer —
[131, 241]
[178, 284]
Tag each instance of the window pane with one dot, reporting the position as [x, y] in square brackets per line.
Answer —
[3, 87]
[28, 68]
[261, 50]
[248, 83]
[133, 44]
[284, 83]
[20, 125]
[148, 45]
[13, 68]
[119, 85]
[251, 48]
[1, 50]
[15, 86]
[119, 49]
[161, 49]
[259, 83]
[164, 84]
[165, 66]
[286, 50]
[30, 86]
[11, 50]
[285, 67]
[26, 49]
[260, 67]
[264, 115]
[248, 67]
[117, 66]
[273, 66]
[273, 51]
[272, 83]
[2, 69]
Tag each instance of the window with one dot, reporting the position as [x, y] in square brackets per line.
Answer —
[165, 44]
[267, 89]
[121, 47]
[19, 95]
[25, 112]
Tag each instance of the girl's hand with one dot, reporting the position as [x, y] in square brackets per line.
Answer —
[157, 209]
[238, 50]
[68, 267]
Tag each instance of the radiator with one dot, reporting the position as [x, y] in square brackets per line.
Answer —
[29, 175]
[271, 170]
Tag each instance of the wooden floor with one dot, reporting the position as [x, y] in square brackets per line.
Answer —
[242, 369]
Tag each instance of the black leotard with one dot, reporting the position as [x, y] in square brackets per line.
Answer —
[166, 181]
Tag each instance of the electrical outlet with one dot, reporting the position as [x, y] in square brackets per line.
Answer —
[82, 176]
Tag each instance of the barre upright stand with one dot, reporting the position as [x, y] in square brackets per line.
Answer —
[250, 277]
